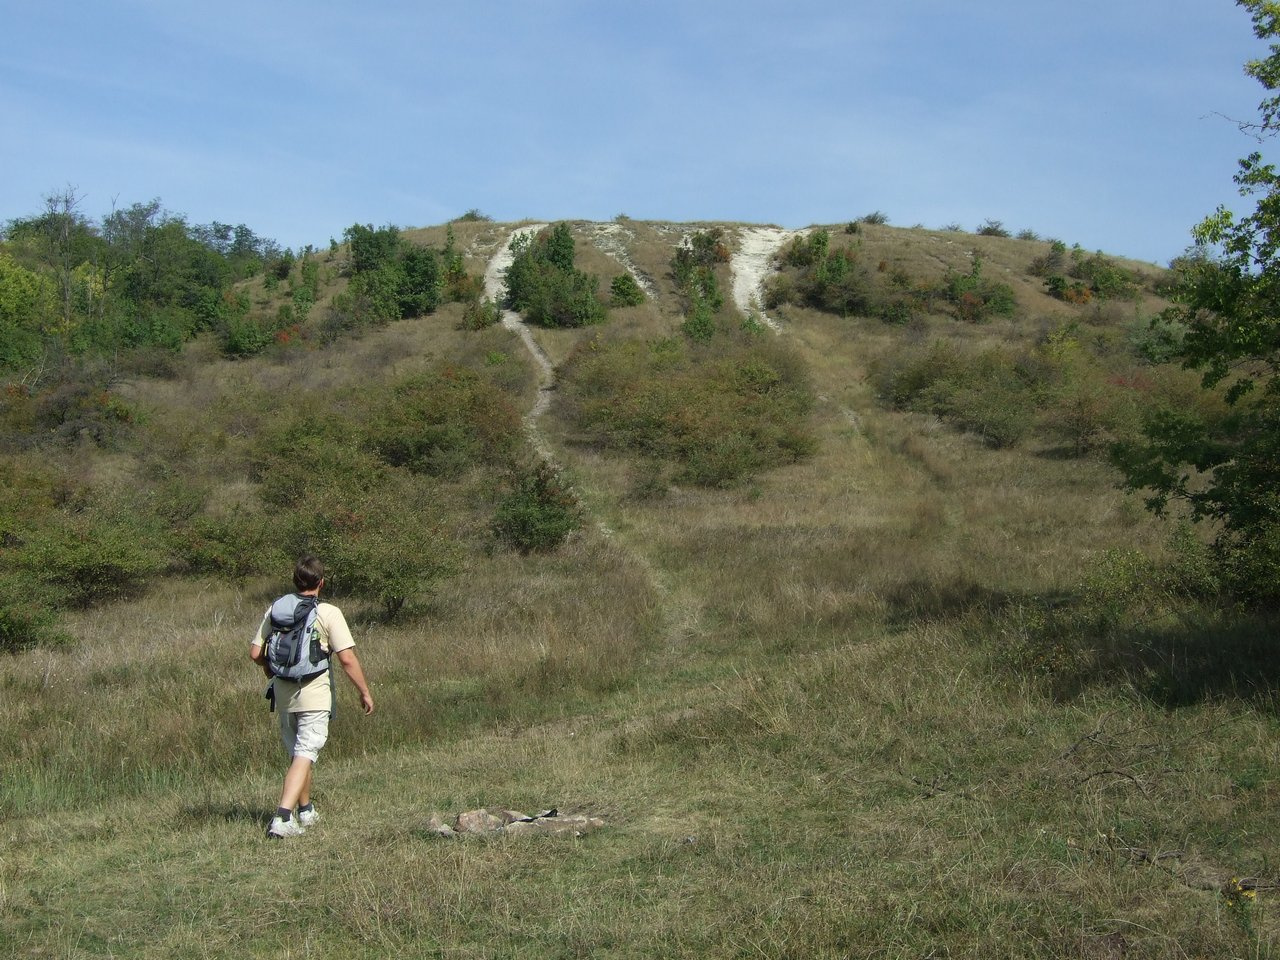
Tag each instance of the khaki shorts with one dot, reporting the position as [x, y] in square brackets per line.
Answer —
[303, 734]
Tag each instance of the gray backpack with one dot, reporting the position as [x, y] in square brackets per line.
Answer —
[293, 649]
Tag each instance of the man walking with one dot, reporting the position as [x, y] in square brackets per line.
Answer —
[302, 687]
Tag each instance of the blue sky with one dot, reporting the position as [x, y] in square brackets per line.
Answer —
[1095, 122]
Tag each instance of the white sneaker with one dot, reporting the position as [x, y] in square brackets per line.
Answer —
[308, 817]
[280, 829]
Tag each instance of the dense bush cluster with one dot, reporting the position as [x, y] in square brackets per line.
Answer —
[719, 412]
[392, 279]
[1059, 392]
[140, 277]
[1076, 278]
[544, 285]
[693, 268]
[820, 277]
[360, 483]
[538, 511]
[625, 291]
[815, 274]
[975, 298]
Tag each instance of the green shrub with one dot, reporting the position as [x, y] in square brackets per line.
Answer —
[998, 411]
[359, 489]
[1157, 339]
[992, 228]
[421, 281]
[625, 291]
[974, 298]
[283, 265]
[827, 279]
[238, 545]
[442, 423]
[875, 217]
[897, 310]
[902, 379]
[27, 613]
[386, 544]
[91, 559]
[392, 278]
[379, 292]
[303, 458]
[77, 403]
[1050, 263]
[371, 249]
[677, 401]
[538, 512]
[703, 249]
[989, 392]
[27, 309]
[699, 324]
[545, 287]
[559, 247]
[806, 251]
[480, 314]
[1249, 561]
[1069, 291]
[693, 266]
[1106, 278]
[837, 284]
[345, 315]
[242, 334]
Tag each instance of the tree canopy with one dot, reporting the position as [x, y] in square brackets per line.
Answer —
[1221, 454]
[139, 276]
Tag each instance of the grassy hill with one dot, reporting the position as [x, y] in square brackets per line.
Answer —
[926, 683]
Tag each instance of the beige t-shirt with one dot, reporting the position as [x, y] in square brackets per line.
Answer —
[316, 693]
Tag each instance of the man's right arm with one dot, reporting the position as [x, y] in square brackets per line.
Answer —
[258, 652]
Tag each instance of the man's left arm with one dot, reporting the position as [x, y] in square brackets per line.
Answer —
[351, 665]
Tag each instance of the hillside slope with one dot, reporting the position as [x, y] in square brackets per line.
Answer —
[924, 688]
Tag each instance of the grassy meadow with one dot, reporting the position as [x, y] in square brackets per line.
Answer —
[913, 694]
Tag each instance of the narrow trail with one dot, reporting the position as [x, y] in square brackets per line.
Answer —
[494, 289]
[750, 265]
[611, 238]
[752, 262]
[682, 611]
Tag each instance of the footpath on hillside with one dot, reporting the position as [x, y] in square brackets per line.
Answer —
[751, 263]
[494, 289]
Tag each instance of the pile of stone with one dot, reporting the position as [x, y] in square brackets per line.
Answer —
[483, 823]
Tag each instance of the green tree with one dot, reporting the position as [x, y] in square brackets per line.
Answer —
[1224, 462]
[421, 281]
[546, 288]
[371, 248]
[560, 247]
[625, 291]
[27, 304]
[539, 511]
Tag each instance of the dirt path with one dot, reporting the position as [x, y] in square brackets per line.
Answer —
[752, 262]
[750, 265]
[611, 238]
[494, 290]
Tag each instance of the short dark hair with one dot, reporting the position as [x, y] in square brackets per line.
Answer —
[307, 573]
